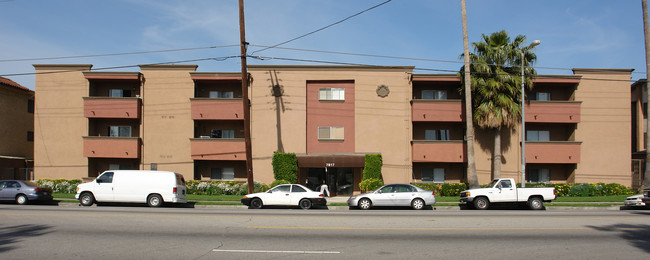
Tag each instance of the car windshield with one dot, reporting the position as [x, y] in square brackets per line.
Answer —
[29, 183]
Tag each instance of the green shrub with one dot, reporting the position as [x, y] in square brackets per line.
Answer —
[370, 184]
[285, 166]
[59, 185]
[372, 167]
[278, 182]
[444, 189]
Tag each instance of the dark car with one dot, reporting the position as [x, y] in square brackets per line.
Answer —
[23, 191]
[646, 197]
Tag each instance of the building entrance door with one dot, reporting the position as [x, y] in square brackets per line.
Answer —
[340, 181]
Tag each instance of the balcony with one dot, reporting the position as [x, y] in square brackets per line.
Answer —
[427, 110]
[111, 147]
[439, 151]
[553, 152]
[218, 149]
[553, 112]
[217, 109]
[110, 107]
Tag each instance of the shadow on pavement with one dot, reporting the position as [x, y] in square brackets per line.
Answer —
[636, 235]
[10, 235]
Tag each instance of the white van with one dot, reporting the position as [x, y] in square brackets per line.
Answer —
[151, 187]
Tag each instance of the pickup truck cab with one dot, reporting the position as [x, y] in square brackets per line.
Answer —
[505, 190]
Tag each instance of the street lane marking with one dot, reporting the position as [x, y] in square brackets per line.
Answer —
[452, 228]
[274, 251]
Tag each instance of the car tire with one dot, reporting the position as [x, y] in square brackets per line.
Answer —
[154, 200]
[481, 203]
[305, 204]
[256, 203]
[364, 204]
[417, 204]
[535, 203]
[21, 199]
[86, 199]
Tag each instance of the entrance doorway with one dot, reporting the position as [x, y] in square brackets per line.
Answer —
[339, 180]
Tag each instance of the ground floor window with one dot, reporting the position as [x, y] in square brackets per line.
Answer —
[222, 174]
[436, 175]
[538, 175]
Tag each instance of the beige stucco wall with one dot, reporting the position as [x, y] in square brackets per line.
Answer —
[15, 122]
[605, 126]
[59, 122]
[382, 125]
[167, 125]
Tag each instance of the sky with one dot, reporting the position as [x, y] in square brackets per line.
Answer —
[426, 34]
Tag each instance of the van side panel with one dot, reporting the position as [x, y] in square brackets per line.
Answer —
[136, 186]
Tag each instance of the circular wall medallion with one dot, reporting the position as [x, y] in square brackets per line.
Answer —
[383, 91]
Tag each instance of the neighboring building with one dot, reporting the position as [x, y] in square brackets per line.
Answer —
[16, 130]
[639, 130]
[169, 117]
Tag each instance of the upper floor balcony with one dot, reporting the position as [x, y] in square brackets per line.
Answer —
[217, 108]
[553, 112]
[436, 110]
[219, 149]
[111, 147]
[452, 151]
[112, 107]
[566, 152]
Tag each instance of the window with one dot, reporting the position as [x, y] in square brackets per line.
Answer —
[107, 177]
[441, 134]
[119, 93]
[538, 175]
[113, 166]
[221, 94]
[543, 96]
[224, 174]
[405, 188]
[538, 135]
[297, 188]
[331, 94]
[119, 131]
[219, 133]
[30, 106]
[389, 189]
[433, 175]
[330, 133]
[30, 136]
[505, 184]
[285, 188]
[645, 110]
[434, 94]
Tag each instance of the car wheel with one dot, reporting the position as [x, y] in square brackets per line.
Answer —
[154, 200]
[364, 204]
[481, 203]
[86, 199]
[21, 199]
[256, 203]
[535, 203]
[305, 204]
[417, 204]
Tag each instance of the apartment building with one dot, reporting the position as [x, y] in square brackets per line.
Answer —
[170, 117]
[16, 130]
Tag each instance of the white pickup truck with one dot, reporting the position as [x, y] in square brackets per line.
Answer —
[505, 190]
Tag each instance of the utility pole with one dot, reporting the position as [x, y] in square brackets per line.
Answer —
[246, 101]
[472, 178]
[646, 33]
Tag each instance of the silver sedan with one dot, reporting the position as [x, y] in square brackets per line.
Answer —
[394, 195]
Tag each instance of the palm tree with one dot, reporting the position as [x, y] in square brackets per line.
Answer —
[495, 80]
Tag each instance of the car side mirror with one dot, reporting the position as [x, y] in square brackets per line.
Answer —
[379, 191]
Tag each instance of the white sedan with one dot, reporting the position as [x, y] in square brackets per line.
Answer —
[285, 195]
[634, 201]
[394, 195]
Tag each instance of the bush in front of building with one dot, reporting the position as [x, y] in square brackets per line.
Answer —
[370, 184]
[285, 167]
[444, 189]
[278, 182]
[372, 167]
[196, 187]
[59, 185]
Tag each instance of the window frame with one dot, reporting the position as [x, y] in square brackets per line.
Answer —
[331, 94]
[436, 94]
[222, 174]
[336, 130]
[433, 171]
[119, 130]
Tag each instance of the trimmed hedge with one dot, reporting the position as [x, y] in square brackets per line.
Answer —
[585, 189]
[443, 189]
[59, 185]
[372, 167]
[370, 184]
[285, 166]
[222, 187]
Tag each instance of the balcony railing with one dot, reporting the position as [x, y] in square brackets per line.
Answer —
[553, 152]
[111, 147]
[110, 107]
[553, 112]
[218, 149]
[427, 110]
[217, 109]
[439, 151]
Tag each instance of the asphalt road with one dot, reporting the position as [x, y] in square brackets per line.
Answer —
[119, 232]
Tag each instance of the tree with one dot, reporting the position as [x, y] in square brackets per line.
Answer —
[472, 178]
[495, 80]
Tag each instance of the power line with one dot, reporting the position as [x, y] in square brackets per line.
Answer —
[323, 28]
[117, 54]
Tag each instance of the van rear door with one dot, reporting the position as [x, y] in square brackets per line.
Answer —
[181, 189]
